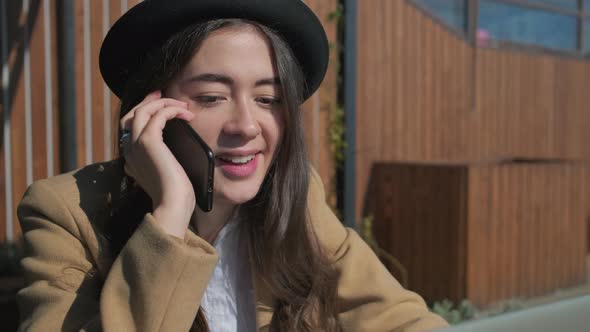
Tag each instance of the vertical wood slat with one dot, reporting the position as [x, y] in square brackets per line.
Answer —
[54, 97]
[50, 110]
[4, 109]
[38, 89]
[80, 78]
[18, 162]
[28, 28]
[96, 82]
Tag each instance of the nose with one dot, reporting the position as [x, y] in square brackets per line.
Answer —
[243, 121]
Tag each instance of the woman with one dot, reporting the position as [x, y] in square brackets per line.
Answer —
[121, 246]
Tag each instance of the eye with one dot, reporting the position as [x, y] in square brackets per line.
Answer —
[209, 100]
[268, 101]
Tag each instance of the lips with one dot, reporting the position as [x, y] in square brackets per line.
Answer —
[238, 159]
[238, 165]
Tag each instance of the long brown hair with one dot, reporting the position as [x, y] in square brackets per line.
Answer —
[285, 253]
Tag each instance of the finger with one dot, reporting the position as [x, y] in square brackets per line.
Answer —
[157, 122]
[143, 115]
[124, 122]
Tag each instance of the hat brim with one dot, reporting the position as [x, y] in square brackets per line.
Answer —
[150, 23]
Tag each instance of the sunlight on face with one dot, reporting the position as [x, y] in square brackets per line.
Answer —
[232, 86]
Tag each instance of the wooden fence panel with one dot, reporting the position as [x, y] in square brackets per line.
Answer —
[486, 232]
[420, 218]
[527, 231]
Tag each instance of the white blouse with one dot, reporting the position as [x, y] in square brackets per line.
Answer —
[228, 302]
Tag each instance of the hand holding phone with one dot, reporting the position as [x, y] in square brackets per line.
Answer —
[149, 161]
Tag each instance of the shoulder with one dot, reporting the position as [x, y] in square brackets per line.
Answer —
[328, 229]
[73, 200]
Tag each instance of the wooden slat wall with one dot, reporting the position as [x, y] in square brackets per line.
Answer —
[96, 107]
[28, 103]
[424, 94]
[526, 230]
[485, 232]
[530, 106]
[420, 218]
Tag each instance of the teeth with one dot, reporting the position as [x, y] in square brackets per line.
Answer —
[238, 160]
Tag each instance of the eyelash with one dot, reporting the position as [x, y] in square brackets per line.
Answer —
[269, 101]
[212, 100]
[208, 100]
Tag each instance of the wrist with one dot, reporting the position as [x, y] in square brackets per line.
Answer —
[173, 220]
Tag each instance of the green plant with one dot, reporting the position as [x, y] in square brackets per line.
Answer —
[337, 14]
[512, 305]
[336, 139]
[454, 314]
[337, 126]
[507, 306]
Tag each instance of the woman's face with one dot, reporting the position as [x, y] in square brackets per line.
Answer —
[232, 86]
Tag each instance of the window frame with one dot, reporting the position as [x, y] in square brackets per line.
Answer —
[461, 33]
[472, 19]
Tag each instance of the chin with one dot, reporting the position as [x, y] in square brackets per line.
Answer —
[239, 193]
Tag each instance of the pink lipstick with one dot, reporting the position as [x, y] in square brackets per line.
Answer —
[238, 167]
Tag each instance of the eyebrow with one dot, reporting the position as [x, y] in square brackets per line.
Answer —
[223, 79]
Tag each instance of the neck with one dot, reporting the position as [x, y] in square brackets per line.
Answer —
[209, 224]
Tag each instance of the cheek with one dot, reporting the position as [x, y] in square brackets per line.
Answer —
[208, 127]
[274, 127]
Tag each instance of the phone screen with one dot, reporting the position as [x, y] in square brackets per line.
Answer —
[195, 157]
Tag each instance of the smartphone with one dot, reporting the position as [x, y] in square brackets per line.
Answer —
[195, 157]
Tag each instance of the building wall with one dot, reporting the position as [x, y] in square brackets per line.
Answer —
[426, 95]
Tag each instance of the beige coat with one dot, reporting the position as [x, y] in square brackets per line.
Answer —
[156, 282]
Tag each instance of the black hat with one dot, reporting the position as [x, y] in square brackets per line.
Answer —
[150, 23]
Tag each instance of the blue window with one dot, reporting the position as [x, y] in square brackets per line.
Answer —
[451, 12]
[546, 24]
[527, 25]
[563, 4]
